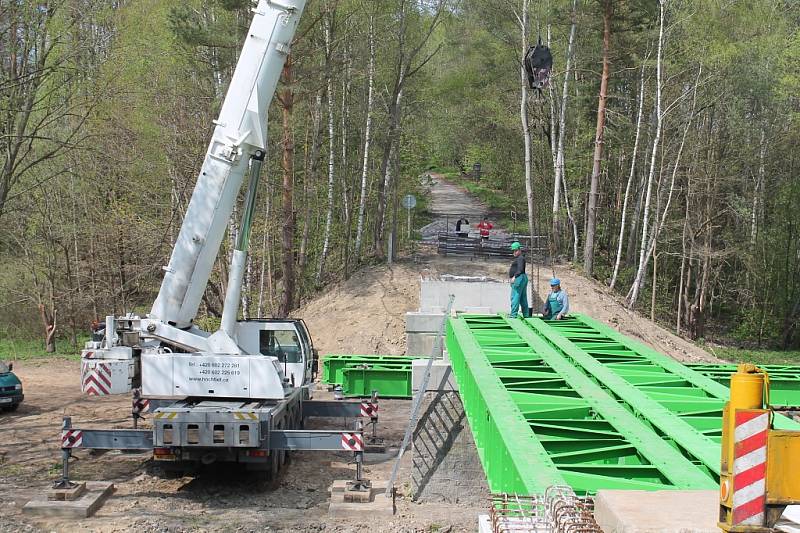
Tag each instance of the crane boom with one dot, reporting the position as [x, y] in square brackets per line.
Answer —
[240, 132]
[165, 353]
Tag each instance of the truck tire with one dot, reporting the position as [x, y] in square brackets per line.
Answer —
[274, 467]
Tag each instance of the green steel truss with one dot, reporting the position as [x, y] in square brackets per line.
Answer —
[784, 380]
[538, 420]
[684, 409]
[694, 400]
[359, 375]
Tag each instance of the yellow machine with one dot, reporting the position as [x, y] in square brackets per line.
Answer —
[760, 472]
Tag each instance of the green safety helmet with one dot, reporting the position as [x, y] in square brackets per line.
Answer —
[515, 246]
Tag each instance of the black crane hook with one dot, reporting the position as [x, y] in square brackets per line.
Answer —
[538, 63]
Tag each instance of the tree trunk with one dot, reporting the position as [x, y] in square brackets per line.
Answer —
[367, 132]
[679, 307]
[287, 164]
[562, 124]
[526, 131]
[49, 325]
[630, 180]
[331, 153]
[386, 167]
[345, 172]
[591, 222]
[655, 284]
[311, 177]
[758, 189]
[264, 250]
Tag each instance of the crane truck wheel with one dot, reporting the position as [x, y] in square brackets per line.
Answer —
[274, 467]
[281, 454]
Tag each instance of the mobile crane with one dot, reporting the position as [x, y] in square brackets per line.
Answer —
[241, 393]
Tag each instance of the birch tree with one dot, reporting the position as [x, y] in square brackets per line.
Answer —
[362, 203]
[630, 180]
[633, 293]
[523, 111]
[331, 145]
[558, 160]
[639, 280]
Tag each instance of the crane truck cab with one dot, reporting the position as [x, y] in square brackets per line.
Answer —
[287, 340]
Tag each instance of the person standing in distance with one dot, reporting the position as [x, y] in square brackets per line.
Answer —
[485, 227]
[519, 283]
[556, 306]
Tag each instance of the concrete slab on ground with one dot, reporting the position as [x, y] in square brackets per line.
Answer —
[662, 511]
[441, 378]
[377, 506]
[83, 507]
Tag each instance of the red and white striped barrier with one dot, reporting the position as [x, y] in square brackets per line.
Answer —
[750, 467]
[140, 405]
[71, 438]
[97, 379]
[369, 409]
[352, 442]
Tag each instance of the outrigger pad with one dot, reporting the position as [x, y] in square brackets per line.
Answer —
[538, 62]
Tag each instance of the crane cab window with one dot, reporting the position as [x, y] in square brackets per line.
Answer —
[281, 344]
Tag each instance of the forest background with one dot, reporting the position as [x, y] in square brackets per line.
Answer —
[662, 158]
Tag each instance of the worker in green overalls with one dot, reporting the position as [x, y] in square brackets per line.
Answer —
[556, 306]
[519, 283]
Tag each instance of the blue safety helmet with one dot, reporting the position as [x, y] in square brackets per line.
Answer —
[554, 282]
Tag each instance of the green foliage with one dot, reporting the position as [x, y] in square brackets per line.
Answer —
[87, 230]
[758, 357]
[21, 349]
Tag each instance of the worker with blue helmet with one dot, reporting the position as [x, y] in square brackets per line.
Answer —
[519, 283]
[556, 306]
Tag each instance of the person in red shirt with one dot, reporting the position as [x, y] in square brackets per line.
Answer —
[484, 228]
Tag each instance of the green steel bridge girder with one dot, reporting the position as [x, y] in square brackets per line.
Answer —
[697, 398]
[334, 364]
[538, 421]
[513, 458]
[389, 382]
[692, 441]
[784, 380]
[677, 468]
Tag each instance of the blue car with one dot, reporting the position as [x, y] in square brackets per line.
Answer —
[10, 388]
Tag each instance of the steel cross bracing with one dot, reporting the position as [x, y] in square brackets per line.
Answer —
[679, 409]
[538, 420]
[682, 405]
[784, 380]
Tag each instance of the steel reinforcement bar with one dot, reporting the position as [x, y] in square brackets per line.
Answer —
[539, 421]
